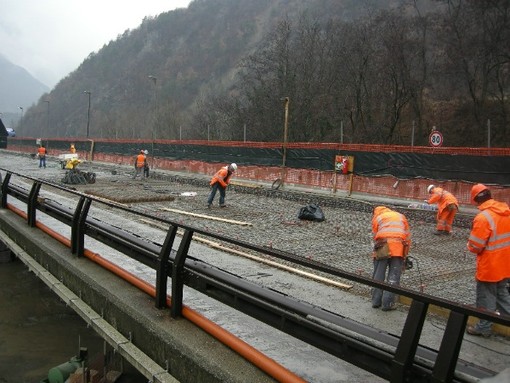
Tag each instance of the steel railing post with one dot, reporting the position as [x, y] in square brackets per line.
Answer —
[79, 225]
[446, 361]
[178, 274]
[406, 349]
[5, 189]
[162, 268]
[32, 204]
[74, 225]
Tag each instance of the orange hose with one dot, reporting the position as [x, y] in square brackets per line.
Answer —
[263, 362]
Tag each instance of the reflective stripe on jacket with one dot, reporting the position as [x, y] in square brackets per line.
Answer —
[222, 176]
[490, 240]
[443, 198]
[392, 226]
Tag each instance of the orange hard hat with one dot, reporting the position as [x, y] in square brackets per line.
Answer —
[477, 189]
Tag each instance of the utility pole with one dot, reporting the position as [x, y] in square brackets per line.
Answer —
[154, 80]
[88, 113]
[47, 119]
[285, 138]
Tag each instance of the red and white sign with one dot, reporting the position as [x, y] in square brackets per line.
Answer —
[436, 138]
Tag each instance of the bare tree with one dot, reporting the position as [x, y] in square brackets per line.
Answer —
[476, 36]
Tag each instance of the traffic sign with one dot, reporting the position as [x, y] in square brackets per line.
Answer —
[436, 138]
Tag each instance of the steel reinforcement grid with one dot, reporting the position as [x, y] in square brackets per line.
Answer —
[395, 358]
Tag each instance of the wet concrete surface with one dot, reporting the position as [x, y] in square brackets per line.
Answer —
[442, 267]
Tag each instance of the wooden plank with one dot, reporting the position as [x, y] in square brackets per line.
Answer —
[218, 246]
[208, 217]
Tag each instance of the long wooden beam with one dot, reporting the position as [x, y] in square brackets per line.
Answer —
[208, 217]
[218, 246]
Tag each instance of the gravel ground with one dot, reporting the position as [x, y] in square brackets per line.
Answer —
[441, 265]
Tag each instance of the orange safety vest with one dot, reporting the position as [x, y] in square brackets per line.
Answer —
[41, 151]
[140, 160]
[392, 226]
[222, 176]
[490, 241]
[443, 198]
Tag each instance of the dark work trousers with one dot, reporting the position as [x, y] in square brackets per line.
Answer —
[394, 267]
[214, 188]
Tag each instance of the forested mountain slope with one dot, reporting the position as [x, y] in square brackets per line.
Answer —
[354, 71]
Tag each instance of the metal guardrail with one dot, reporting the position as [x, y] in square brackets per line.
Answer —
[394, 358]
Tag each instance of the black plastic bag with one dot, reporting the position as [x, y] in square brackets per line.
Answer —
[311, 212]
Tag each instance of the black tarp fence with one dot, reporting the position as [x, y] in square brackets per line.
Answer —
[3, 135]
[400, 164]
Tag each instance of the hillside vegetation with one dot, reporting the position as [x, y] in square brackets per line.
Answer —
[354, 71]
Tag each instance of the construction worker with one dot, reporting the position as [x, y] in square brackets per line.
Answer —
[447, 207]
[392, 240]
[140, 163]
[490, 241]
[146, 166]
[41, 153]
[72, 149]
[219, 182]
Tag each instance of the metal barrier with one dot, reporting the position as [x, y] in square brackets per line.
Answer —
[402, 359]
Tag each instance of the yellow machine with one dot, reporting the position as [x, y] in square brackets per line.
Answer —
[72, 163]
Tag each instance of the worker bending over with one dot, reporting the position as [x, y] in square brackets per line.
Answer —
[219, 182]
[447, 207]
[392, 240]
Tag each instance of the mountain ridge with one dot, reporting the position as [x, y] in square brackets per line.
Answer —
[17, 87]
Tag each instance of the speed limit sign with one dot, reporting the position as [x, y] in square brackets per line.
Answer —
[436, 138]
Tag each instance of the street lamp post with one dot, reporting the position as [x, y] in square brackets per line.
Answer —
[154, 80]
[285, 136]
[47, 118]
[21, 119]
[88, 113]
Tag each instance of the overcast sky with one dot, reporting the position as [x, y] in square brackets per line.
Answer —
[51, 38]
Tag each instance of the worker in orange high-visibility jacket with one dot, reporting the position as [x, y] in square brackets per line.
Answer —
[41, 153]
[392, 241]
[490, 241]
[447, 207]
[140, 163]
[219, 182]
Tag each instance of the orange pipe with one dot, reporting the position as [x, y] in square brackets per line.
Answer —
[263, 362]
[17, 211]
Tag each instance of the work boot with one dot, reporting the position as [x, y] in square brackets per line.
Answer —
[438, 232]
[472, 330]
[208, 205]
[223, 205]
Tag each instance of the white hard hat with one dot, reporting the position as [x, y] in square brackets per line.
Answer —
[145, 152]
[233, 167]
[429, 188]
